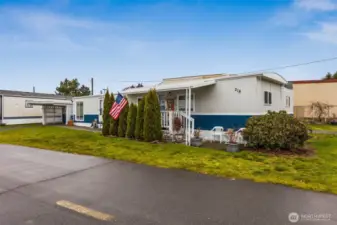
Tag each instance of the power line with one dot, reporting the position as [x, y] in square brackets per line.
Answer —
[255, 71]
[294, 65]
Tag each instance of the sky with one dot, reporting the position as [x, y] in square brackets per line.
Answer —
[122, 42]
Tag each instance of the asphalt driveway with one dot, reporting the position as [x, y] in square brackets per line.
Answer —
[33, 182]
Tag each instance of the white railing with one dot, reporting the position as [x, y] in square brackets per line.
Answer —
[167, 121]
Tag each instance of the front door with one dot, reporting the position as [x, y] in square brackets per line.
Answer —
[170, 104]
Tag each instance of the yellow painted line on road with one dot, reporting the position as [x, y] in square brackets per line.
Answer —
[85, 211]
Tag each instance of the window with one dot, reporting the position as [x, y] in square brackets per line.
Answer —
[162, 102]
[27, 105]
[182, 102]
[267, 98]
[79, 111]
[287, 101]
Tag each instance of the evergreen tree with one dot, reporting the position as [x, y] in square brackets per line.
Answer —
[113, 123]
[122, 123]
[131, 121]
[328, 76]
[106, 116]
[334, 76]
[140, 119]
[152, 117]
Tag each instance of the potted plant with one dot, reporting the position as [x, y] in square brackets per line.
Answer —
[232, 146]
[196, 140]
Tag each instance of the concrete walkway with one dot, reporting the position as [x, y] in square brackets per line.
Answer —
[33, 182]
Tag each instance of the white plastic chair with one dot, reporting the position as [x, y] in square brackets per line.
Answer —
[217, 131]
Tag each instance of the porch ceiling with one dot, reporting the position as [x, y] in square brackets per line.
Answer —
[172, 86]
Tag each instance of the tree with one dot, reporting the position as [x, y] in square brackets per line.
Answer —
[72, 88]
[334, 76]
[140, 120]
[106, 115]
[113, 123]
[122, 123]
[327, 76]
[152, 117]
[131, 121]
[133, 86]
[320, 109]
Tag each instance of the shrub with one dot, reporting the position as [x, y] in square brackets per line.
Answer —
[122, 123]
[131, 121]
[275, 130]
[140, 120]
[113, 123]
[152, 117]
[106, 116]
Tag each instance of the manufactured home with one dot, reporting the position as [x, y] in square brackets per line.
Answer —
[223, 100]
[86, 109]
[17, 107]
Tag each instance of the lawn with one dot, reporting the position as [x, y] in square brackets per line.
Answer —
[326, 127]
[315, 173]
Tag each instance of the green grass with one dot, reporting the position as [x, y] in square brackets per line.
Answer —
[323, 127]
[314, 173]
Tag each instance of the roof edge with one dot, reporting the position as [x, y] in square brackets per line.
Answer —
[314, 81]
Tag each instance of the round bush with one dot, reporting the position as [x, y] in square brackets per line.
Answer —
[275, 130]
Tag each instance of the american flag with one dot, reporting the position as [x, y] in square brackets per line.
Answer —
[118, 106]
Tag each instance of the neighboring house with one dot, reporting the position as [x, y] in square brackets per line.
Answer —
[86, 109]
[308, 91]
[17, 107]
[219, 99]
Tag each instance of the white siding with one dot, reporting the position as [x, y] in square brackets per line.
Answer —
[16, 112]
[279, 94]
[223, 98]
[90, 104]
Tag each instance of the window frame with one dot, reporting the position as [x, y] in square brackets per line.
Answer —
[267, 98]
[193, 102]
[288, 101]
[76, 112]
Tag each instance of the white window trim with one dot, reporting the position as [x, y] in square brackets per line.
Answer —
[288, 100]
[76, 118]
[193, 102]
[267, 104]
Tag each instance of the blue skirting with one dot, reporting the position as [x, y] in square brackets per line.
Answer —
[207, 122]
[88, 118]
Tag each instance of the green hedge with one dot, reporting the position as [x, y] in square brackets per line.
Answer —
[113, 123]
[106, 116]
[152, 117]
[140, 120]
[275, 130]
[122, 123]
[131, 121]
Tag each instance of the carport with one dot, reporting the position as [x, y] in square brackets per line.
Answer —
[54, 112]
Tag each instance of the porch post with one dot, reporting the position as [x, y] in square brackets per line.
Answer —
[189, 114]
[186, 134]
[43, 115]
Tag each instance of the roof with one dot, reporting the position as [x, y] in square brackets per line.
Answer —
[32, 94]
[180, 83]
[51, 102]
[314, 81]
[171, 86]
[89, 96]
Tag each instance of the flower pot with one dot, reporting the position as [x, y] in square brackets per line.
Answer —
[196, 142]
[231, 147]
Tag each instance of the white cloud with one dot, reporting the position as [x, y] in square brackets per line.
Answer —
[320, 5]
[327, 32]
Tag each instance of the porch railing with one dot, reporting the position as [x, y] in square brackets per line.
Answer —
[167, 121]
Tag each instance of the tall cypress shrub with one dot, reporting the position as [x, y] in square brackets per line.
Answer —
[122, 123]
[140, 120]
[152, 117]
[106, 116]
[131, 121]
[113, 123]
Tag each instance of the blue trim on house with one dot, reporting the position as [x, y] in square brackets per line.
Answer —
[88, 118]
[21, 117]
[207, 122]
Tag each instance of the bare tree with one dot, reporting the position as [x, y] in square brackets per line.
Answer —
[320, 109]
